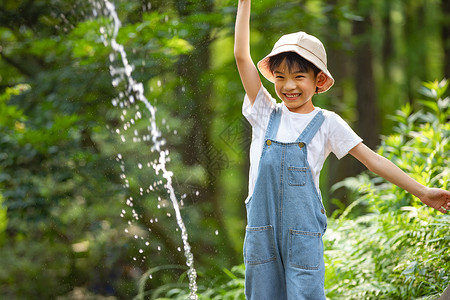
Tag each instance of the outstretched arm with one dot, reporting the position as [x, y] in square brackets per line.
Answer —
[436, 198]
[247, 69]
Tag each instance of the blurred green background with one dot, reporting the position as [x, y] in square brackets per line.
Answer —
[66, 231]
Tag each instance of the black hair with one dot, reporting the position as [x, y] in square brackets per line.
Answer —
[292, 60]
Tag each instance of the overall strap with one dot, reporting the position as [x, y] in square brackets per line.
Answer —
[311, 129]
[274, 122]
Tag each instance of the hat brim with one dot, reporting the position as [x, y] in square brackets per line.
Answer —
[263, 65]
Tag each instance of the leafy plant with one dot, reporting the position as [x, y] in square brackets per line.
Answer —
[399, 250]
[228, 285]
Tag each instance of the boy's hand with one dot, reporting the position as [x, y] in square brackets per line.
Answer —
[437, 198]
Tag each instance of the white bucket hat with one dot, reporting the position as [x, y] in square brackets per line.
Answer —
[305, 45]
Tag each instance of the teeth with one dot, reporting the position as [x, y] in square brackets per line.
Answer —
[292, 96]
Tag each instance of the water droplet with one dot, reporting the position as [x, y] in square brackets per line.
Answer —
[217, 232]
[141, 251]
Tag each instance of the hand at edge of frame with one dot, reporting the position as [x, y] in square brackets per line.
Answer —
[437, 198]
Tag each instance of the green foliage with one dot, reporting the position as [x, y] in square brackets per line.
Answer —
[60, 184]
[228, 285]
[52, 230]
[3, 221]
[60, 189]
[400, 249]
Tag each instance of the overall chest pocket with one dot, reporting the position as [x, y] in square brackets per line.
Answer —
[297, 175]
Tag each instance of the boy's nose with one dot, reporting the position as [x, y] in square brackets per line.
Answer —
[290, 85]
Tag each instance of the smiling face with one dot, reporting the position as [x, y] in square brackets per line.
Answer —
[295, 87]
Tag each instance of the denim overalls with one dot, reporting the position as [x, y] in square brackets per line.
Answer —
[283, 248]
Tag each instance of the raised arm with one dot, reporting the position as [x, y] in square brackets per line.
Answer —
[247, 69]
[436, 198]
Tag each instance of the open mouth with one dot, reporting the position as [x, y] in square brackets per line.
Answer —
[292, 96]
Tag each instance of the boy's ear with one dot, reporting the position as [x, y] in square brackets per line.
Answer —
[321, 79]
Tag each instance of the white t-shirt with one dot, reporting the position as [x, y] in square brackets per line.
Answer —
[335, 135]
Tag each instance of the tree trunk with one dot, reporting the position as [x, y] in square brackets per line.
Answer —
[368, 113]
[446, 36]
[388, 44]
[198, 146]
[338, 64]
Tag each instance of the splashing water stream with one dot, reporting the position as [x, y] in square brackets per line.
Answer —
[124, 74]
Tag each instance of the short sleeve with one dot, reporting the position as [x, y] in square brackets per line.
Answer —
[259, 114]
[342, 138]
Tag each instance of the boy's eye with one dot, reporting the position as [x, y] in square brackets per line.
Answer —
[300, 76]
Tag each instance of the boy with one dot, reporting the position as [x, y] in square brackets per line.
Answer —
[283, 250]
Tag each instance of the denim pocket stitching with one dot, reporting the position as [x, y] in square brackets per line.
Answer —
[294, 172]
[307, 264]
[268, 241]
